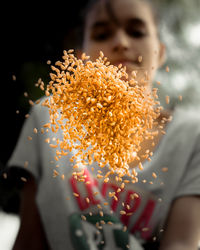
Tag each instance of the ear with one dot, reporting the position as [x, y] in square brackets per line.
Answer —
[162, 54]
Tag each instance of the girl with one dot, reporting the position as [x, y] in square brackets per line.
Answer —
[164, 213]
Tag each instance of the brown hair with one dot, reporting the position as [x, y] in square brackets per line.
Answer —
[108, 4]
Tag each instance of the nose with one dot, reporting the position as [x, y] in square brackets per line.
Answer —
[120, 41]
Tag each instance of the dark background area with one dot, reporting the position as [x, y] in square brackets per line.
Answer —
[31, 34]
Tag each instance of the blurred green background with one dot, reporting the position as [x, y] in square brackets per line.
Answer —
[180, 31]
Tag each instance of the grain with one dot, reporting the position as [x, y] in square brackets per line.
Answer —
[115, 198]
[154, 175]
[14, 77]
[139, 59]
[136, 195]
[99, 206]
[167, 99]
[87, 200]
[25, 94]
[83, 217]
[35, 130]
[55, 173]
[122, 212]
[95, 105]
[164, 169]
[31, 102]
[23, 179]
[167, 69]
[140, 166]
[26, 164]
[101, 213]
[47, 140]
[37, 101]
[5, 176]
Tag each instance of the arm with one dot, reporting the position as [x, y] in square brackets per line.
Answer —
[31, 235]
[183, 225]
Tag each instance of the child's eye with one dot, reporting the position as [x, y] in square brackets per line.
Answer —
[136, 33]
[101, 35]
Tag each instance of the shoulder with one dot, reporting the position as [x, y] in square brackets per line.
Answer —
[40, 107]
[186, 120]
[39, 112]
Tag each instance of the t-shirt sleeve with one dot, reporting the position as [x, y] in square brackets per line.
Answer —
[26, 152]
[190, 182]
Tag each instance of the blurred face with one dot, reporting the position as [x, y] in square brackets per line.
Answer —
[126, 34]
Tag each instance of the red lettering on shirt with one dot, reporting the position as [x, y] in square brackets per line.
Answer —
[89, 187]
[143, 221]
[105, 188]
[133, 203]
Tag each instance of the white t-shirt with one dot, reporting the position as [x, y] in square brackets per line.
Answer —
[61, 210]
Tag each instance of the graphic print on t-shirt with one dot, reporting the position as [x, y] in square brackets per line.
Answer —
[137, 211]
[92, 234]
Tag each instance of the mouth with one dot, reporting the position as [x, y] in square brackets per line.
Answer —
[128, 63]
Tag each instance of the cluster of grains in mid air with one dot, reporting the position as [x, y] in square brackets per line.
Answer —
[103, 115]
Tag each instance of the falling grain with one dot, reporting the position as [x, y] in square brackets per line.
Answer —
[167, 69]
[104, 116]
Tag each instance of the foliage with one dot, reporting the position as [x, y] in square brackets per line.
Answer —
[180, 31]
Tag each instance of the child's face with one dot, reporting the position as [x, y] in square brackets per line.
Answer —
[133, 34]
